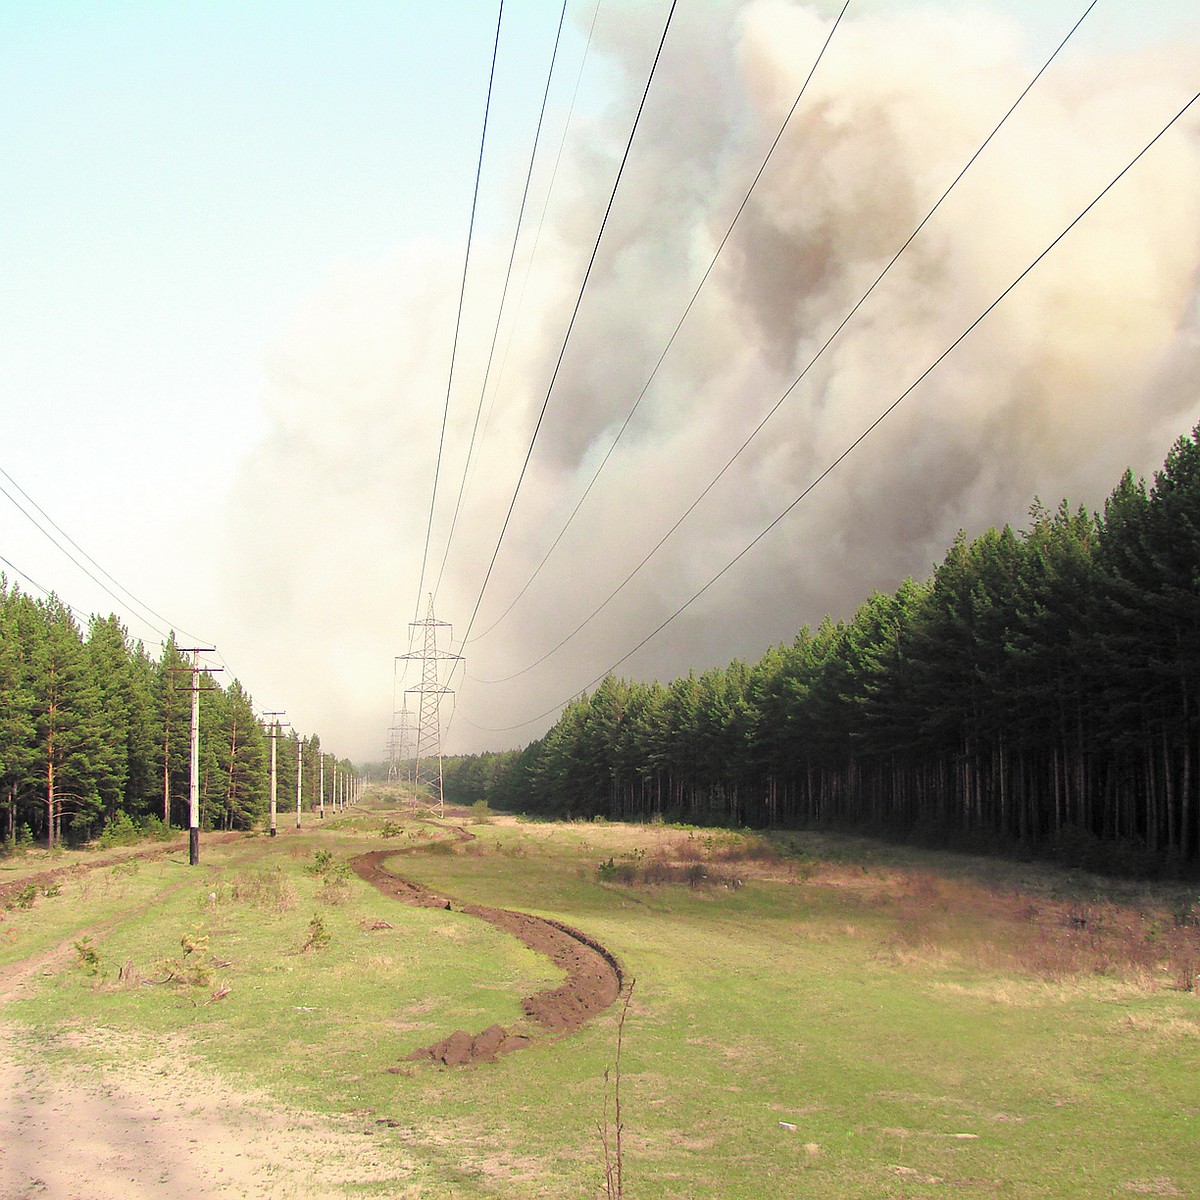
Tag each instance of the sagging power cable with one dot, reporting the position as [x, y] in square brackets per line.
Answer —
[674, 333]
[122, 602]
[503, 297]
[828, 470]
[537, 239]
[571, 323]
[695, 503]
[437, 470]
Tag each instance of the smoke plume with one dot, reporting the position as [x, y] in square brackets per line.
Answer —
[1089, 366]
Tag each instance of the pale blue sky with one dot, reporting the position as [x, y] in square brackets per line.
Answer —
[176, 178]
[177, 175]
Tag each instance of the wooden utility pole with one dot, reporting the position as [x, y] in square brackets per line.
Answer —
[321, 786]
[273, 734]
[194, 773]
[167, 764]
[194, 770]
[299, 777]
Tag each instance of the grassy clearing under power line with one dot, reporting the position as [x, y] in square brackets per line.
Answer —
[823, 1017]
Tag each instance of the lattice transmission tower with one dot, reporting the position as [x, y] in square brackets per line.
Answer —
[427, 767]
[399, 744]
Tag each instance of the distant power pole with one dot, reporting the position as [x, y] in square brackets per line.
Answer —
[321, 786]
[299, 777]
[273, 734]
[194, 774]
[427, 770]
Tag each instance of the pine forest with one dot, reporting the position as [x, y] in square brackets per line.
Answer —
[1039, 692]
[95, 734]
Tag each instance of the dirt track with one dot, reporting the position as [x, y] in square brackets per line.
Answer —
[594, 977]
[40, 879]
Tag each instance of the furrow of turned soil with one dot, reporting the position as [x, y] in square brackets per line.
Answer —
[593, 975]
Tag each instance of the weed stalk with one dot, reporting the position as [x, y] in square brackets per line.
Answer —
[611, 1133]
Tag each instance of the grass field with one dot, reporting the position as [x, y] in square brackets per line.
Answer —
[824, 1018]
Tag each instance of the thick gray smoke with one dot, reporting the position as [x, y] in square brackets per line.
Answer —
[1090, 365]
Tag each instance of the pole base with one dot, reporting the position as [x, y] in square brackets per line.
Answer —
[193, 847]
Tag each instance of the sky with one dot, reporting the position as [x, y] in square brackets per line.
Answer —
[232, 245]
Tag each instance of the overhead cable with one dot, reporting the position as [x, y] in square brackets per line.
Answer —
[869, 429]
[503, 296]
[571, 322]
[537, 238]
[47, 592]
[799, 378]
[458, 319]
[58, 545]
[675, 333]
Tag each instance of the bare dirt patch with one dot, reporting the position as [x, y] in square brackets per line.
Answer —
[160, 1125]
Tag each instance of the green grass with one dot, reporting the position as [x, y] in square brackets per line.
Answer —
[861, 1007]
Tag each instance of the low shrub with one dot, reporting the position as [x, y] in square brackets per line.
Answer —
[86, 956]
[659, 871]
[318, 936]
[193, 966]
[330, 869]
[120, 831]
[23, 897]
[155, 829]
[611, 871]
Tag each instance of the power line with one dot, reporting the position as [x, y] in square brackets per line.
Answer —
[871, 427]
[799, 378]
[62, 549]
[503, 296]
[47, 592]
[76, 612]
[675, 333]
[458, 320]
[129, 596]
[545, 207]
[574, 315]
[163, 634]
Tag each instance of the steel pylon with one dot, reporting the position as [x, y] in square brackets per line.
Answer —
[427, 770]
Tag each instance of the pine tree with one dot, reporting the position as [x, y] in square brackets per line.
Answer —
[18, 729]
[69, 739]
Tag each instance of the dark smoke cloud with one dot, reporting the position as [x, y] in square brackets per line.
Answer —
[1091, 365]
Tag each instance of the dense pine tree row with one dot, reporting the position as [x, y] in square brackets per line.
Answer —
[1041, 689]
[91, 726]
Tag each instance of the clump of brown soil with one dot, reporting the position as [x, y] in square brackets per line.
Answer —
[460, 1048]
[593, 975]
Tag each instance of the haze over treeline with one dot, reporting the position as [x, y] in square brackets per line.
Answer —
[1089, 366]
[1041, 690]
